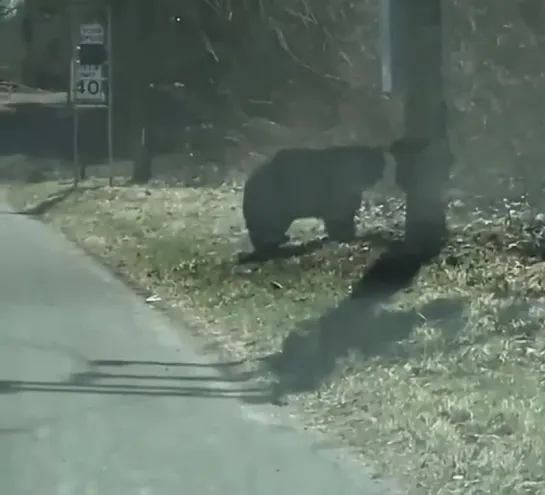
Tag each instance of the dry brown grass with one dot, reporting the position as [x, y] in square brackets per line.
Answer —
[444, 382]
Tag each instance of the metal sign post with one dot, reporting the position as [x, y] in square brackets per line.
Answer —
[91, 79]
[110, 97]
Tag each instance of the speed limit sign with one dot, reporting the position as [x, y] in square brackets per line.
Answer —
[89, 85]
[91, 74]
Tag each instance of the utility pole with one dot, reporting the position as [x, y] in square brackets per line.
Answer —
[412, 59]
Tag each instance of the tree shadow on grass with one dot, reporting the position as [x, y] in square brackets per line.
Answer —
[360, 322]
[45, 205]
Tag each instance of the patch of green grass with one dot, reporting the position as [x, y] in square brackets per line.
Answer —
[444, 385]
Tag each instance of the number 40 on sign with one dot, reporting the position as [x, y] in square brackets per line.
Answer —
[89, 85]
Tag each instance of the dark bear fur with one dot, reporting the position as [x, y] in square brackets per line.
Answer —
[309, 183]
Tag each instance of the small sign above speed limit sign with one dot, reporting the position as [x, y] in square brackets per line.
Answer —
[88, 85]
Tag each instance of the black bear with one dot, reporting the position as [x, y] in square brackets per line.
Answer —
[309, 183]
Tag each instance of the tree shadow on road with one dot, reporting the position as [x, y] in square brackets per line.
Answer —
[223, 381]
[166, 364]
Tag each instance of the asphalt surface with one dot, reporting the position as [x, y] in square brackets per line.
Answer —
[101, 395]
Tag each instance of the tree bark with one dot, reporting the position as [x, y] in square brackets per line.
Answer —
[424, 170]
[422, 174]
[138, 77]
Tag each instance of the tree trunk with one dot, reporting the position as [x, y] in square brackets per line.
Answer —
[139, 16]
[424, 171]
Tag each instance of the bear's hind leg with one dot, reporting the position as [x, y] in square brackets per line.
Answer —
[267, 239]
[341, 229]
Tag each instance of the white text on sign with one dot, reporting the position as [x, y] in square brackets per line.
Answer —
[92, 33]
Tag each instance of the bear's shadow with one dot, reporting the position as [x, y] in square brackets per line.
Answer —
[282, 252]
[381, 238]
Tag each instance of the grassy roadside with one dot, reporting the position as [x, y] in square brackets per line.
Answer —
[443, 383]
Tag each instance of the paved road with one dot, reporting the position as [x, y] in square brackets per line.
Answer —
[98, 395]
